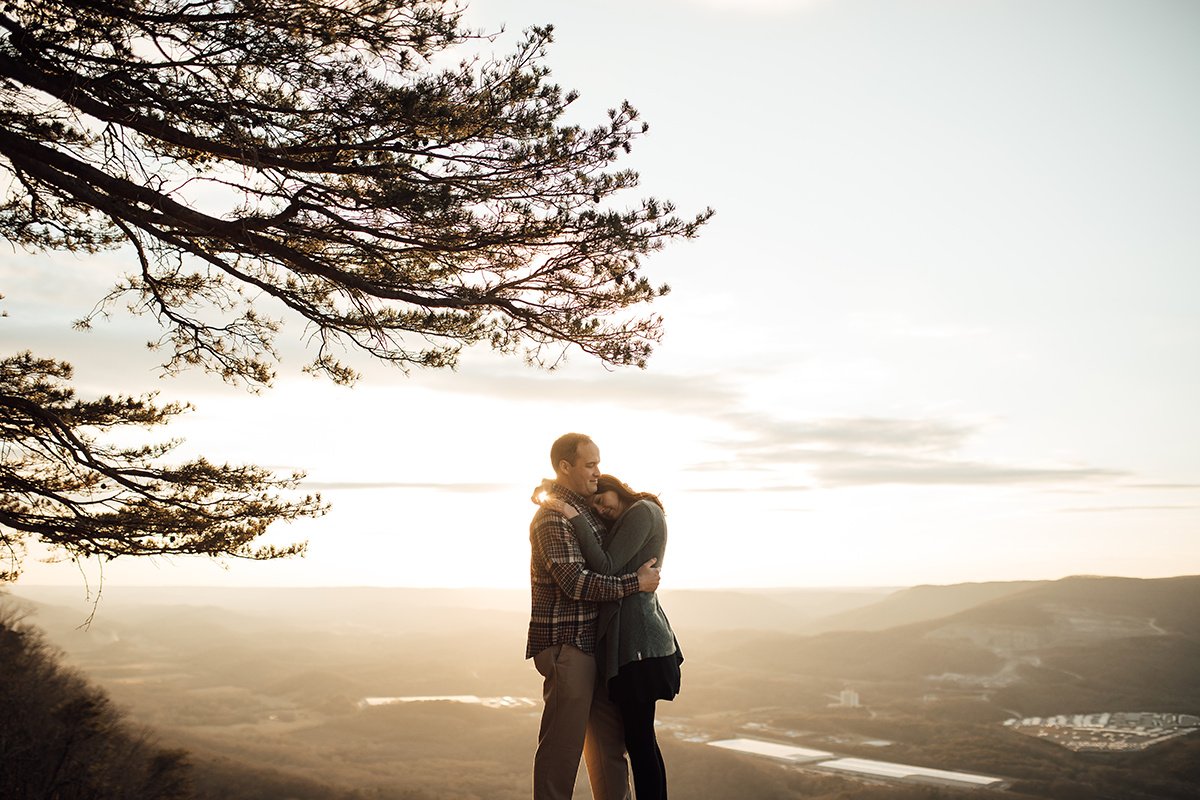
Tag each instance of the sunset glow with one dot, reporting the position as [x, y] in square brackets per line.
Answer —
[942, 329]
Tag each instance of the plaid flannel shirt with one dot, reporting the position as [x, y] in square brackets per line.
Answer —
[564, 591]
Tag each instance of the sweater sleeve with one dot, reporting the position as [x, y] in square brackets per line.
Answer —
[633, 529]
[561, 555]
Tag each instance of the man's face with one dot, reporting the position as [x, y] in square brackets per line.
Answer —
[581, 476]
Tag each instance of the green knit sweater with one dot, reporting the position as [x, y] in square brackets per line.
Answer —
[634, 628]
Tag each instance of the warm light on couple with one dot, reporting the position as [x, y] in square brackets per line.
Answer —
[597, 633]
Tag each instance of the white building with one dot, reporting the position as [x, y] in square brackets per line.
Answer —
[781, 752]
[904, 772]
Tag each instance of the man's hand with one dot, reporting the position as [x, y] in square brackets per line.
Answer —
[647, 576]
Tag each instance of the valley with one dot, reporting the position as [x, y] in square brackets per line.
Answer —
[405, 693]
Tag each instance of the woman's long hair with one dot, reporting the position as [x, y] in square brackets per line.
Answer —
[608, 483]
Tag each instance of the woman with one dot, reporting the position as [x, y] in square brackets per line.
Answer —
[637, 650]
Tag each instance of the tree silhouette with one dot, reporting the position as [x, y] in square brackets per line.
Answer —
[61, 484]
[62, 737]
[310, 154]
[261, 160]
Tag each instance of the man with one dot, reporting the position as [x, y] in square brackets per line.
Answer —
[577, 717]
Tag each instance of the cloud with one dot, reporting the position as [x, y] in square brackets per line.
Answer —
[1167, 486]
[1107, 509]
[458, 488]
[874, 433]
[850, 468]
[935, 471]
[698, 394]
[861, 451]
[830, 451]
[760, 6]
[747, 489]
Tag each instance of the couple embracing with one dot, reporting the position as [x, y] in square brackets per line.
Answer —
[597, 633]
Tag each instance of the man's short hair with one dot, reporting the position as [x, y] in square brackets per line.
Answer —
[566, 448]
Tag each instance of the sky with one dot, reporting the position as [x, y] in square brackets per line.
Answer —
[943, 327]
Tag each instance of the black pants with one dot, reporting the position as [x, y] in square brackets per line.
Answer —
[645, 759]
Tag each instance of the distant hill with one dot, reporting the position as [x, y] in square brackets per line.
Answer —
[396, 608]
[400, 609]
[917, 604]
[263, 686]
[1106, 605]
[1079, 643]
[1089, 642]
[1076, 644]
[792, 610]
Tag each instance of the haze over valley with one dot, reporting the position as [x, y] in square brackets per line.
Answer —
[414, 693]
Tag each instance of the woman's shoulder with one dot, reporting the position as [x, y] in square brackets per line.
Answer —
[646, 510]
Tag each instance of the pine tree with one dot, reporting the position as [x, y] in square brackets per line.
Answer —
[62, 737]
[304, 158]
[63, 483]
[265, 160]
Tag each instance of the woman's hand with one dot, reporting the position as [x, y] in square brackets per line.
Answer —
[543, 498]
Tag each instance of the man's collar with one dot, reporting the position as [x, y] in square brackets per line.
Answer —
[570, 495]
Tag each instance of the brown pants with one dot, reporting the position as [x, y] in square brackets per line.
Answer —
[578, 718]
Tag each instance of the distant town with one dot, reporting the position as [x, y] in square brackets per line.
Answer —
[1107, 731]
[1104, 731]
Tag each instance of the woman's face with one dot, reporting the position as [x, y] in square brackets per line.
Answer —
[607, 504]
